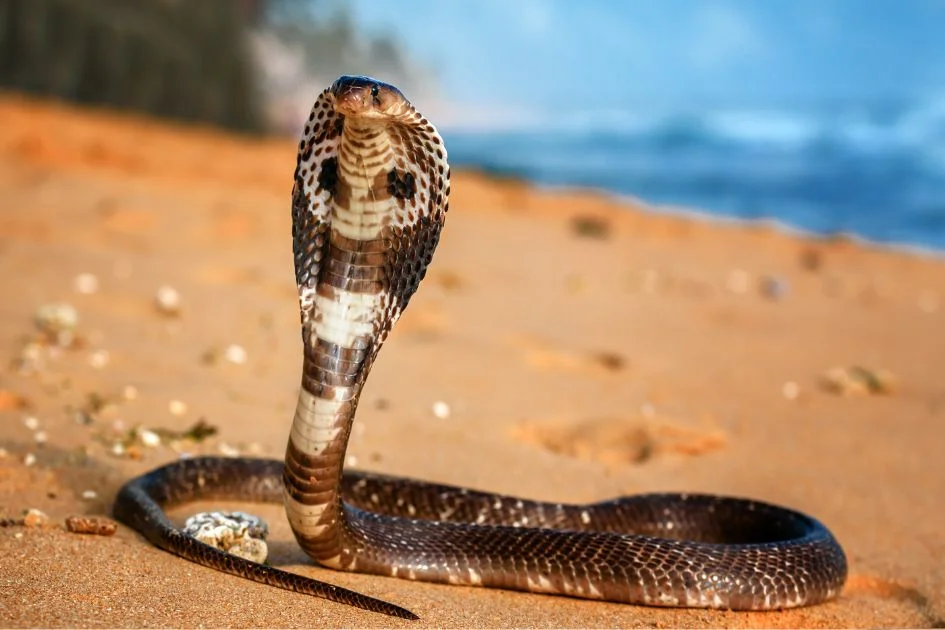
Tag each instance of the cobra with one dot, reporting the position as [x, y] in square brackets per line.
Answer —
[370, 197]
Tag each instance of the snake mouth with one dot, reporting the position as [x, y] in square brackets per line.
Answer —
[364, 97]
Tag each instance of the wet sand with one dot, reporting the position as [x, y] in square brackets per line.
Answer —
[584, 348]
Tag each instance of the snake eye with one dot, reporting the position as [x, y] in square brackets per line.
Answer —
[375, 92]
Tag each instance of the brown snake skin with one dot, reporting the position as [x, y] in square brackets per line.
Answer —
[370, 197]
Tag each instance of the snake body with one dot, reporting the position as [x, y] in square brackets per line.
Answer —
[370, 197]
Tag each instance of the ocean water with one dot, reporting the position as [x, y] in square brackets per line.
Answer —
[876, 171]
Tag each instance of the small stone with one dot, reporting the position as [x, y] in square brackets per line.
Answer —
[118, 449]
[648, 411]
[149, 438]
[859, 380]
[40, 437]
[18, 535]
[351, 460]
[811, 259]
[177, 407]
[774, 288]
[57, 318]
[791, 390]
[31, 423]
[99, 359]
[210, 356]
[591, 227]
[85, 283]
[29, 459]
[441, 410]
[94, 525]
[237, 533]
[3, 453]
[167, 300]
[35, 518]
[90, 495]
[129, 392]
[235, 354]
[11, 402]
[228, 451]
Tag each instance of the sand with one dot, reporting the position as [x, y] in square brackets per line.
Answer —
[584, 348]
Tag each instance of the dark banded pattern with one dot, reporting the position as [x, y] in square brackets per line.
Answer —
[369, 200]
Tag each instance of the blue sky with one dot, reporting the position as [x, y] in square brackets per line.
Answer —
[608, 54]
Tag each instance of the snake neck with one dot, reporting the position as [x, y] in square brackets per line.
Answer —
[345, 317]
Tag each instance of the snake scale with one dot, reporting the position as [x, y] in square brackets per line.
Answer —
[370, 197]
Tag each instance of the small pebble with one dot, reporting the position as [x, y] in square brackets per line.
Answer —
[149, 438]
[3, 453]
[858, 380]
[31, 423]
[29, 459]
[774, 288]
[40, 437]
[228, 451]
[129, 392]
[235, 354]
[35, 518]
[177, 407]
[167, 300]
[648, 411]
[441, 410]
[85, 283]
[56, 318]
[18, 535]
[99, 359]
[89, 495]
[95, 525]
[351, 460]
[811, 259]
[237, 533]
[791, 390]
[118, 449]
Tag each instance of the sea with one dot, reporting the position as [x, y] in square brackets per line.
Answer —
[873, 171]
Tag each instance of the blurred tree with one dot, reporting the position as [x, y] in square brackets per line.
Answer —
[332, 44]
[181, 59]
[224, 62]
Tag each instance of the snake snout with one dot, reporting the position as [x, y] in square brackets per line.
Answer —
[365, 97]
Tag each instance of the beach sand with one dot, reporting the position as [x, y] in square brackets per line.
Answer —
[584, 348]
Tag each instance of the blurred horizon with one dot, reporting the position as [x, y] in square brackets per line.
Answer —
[536, 56]
[824, 116]
[828, 116]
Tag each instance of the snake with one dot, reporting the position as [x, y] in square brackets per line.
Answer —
[369, 200]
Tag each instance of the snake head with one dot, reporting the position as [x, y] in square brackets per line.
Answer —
[367, 98]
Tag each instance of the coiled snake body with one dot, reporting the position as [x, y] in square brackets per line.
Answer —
[370, 197]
